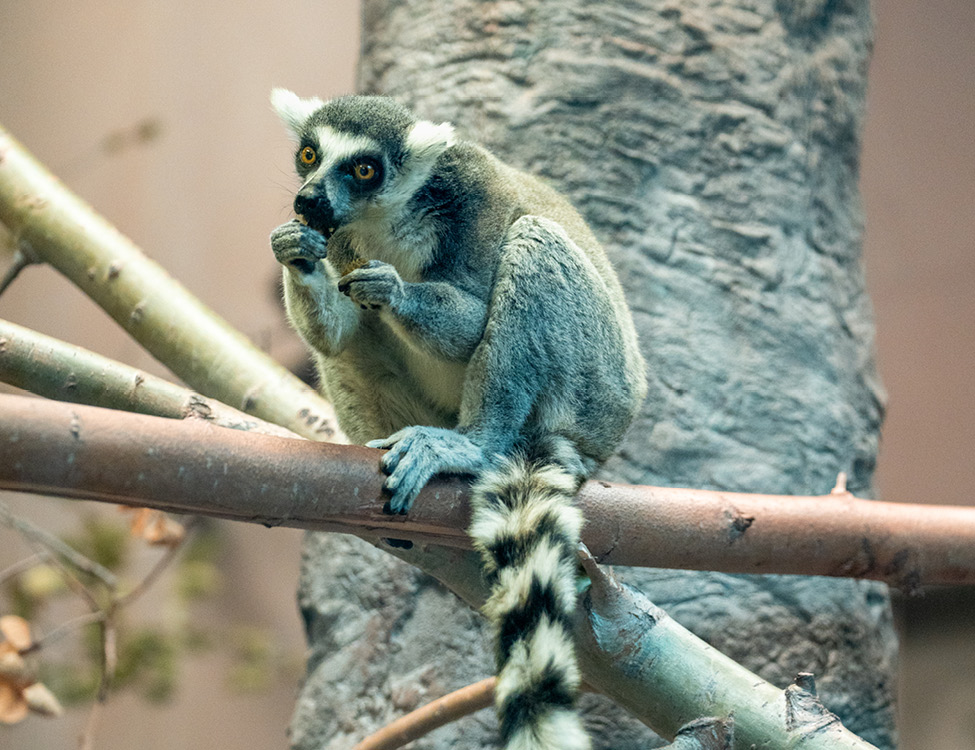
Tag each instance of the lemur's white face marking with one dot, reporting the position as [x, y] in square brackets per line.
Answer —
[334, 147]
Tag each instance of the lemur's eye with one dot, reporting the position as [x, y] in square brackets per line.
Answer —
[363, 171]
[308, 156]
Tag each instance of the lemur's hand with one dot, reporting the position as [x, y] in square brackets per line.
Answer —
[373, 286]
[298, 246]
[416, 454]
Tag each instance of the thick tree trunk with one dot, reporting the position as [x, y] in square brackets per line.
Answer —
[714, 148]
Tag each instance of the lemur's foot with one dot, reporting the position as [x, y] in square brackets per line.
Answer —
[373, 285]
[416, 454]
[298, 246]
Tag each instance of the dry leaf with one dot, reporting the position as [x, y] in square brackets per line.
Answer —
[19, 693]
[155, 527]
[16, 631]
[42, 701]
[13, 670]
[13, 705]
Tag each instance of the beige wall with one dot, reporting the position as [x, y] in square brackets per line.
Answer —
[201, 199]
[203, 196]
[919, 188]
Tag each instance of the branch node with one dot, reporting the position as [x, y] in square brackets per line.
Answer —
[840, 488]
[708, 733]
[804, 713]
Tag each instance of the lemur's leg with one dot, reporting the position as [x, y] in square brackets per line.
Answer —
[323, 317]
[432, 315]
[527, 378]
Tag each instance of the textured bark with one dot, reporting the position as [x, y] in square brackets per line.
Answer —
[713, 146]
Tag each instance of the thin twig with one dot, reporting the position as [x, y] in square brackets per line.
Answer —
[17, 568]
[109, 652]
[70, 579]
[64, 628]
[20, 261]
[435, 714]
[86, 741]
[64, 551]
[161, 564]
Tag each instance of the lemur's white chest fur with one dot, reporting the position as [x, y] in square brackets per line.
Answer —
[439, 381]
[404, 241]
[408, 242]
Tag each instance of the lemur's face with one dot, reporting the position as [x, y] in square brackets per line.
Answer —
[357, 156]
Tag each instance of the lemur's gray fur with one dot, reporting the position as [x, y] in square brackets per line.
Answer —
[462, 316]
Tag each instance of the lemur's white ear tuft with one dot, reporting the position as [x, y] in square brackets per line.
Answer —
[429, 139]
[292, 109]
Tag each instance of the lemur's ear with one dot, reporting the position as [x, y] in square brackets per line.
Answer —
[427, 139]
[292, 109]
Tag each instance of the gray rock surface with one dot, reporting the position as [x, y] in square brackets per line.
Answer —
[713, 146]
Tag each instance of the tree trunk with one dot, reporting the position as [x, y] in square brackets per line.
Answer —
[713, 146]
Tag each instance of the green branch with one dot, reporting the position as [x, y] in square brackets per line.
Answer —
[57, 370]
[197, 345]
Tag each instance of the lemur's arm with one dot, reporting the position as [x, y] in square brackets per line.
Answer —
[433, 315]
[323, 317]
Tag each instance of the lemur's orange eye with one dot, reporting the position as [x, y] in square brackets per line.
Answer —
[308, 156]
[363, 171]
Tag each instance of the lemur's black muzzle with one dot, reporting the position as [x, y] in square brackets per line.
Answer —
[316, 211]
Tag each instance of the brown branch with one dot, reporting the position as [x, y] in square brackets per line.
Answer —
[188, 466]
[433, 715]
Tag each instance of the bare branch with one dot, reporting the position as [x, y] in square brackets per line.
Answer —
[179, 330]
[57, 547]
[187, 466]
[20, 567]
[21, 259]
[54, 369]
[435, 714]
[165, 560]
[632, 652]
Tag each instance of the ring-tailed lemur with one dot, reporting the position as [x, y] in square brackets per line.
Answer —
[462, 315]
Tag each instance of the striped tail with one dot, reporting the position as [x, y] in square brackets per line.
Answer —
[527, 530]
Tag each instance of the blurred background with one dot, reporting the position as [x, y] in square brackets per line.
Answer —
[157, 114]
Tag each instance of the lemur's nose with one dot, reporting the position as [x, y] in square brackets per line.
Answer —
[315, 209]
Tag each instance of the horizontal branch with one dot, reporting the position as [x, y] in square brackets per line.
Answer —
[189, 466]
